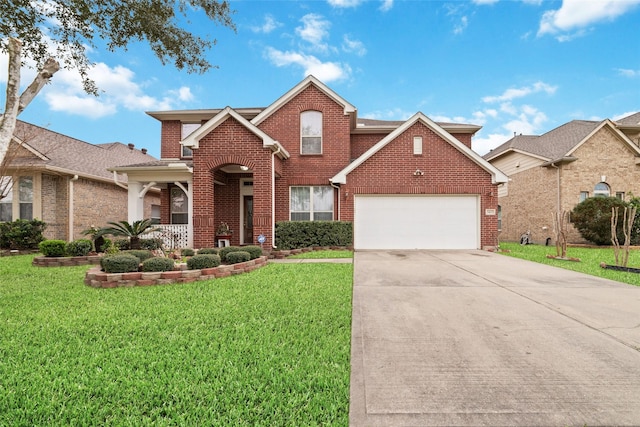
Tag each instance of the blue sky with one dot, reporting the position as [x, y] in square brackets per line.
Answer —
[510, 66]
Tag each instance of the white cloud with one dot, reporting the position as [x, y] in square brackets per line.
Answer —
[575, 15]
[628, 73]
[482, 145]
[314, 30]
[460, 27]
[386, 5]
[389, 114]
[514, 93]
[483, 2]
[344, 3]
[268, 26]
[354, 46]
[325, 71]
[118, 89]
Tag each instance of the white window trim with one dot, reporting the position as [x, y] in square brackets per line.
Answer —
[321, 133]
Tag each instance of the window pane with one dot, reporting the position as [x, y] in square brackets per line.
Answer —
[187, 152]
[322, 199]
[300, 216]
[311, 145]
[300, 199]
[178, 201]
[6, 214]
[25, 189]
[6, 187]
[323, 216]
[180, 218]
[188, 128]
[26, 211]
[601, 189]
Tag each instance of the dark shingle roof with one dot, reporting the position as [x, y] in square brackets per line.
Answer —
[75, 156]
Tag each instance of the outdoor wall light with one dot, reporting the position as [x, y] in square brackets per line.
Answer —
[418, 172]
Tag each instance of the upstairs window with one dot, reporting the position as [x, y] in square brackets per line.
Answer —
[311, 132]
[187, 129]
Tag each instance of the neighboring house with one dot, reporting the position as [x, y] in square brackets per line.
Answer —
[412, 184]
[555, 171]
[65, 182]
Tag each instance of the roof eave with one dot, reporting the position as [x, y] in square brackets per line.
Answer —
[560, 161]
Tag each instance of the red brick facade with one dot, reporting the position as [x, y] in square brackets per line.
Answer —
[217, 194]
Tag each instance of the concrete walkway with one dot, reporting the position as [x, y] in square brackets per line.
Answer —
[471, 338]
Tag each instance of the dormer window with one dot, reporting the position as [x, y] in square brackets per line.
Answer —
[187, 129]
[311, 132]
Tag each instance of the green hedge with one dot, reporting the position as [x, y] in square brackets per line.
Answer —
[120, 263]
[141, 254]
[157, 264]
[53, 248]
[80, 247]
[304, 234]
[21, 234]
[211, 251]
[200, 261]
[238, 256]
[187, 252]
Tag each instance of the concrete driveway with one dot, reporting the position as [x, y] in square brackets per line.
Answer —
[474, 338]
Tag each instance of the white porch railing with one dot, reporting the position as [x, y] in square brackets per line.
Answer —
[174, 236]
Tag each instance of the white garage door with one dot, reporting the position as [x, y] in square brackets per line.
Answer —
[416, 222]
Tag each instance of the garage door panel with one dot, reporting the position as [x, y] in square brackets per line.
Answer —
[416, 222]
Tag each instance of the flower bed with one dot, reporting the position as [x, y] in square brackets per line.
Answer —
[67, 261]
[99, 279]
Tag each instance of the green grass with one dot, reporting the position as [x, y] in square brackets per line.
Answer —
[329, 253]
[270, 347]
[590, 259]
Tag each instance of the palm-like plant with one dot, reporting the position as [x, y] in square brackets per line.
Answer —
[132, 231]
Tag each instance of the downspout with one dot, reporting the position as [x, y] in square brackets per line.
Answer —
[71, 207]
[338, 188]
[273, 197]
[553, 165]
[118, 183]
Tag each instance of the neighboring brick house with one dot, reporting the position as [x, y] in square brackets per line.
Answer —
[411, 184]
[555, 171]
[65, 183]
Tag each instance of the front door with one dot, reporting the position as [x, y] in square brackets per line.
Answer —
[247, 216]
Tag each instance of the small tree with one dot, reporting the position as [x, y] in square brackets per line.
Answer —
[592, 218]
[132, 231]
[628, 217]
[561, 223]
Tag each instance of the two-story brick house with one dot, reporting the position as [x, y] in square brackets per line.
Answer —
[412, 184]
[555, 171]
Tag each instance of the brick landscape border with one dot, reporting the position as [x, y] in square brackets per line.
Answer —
[69, 261]
[99, 279]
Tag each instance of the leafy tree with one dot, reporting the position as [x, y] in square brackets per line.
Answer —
[55, 32]
[132, 231]
[592, 218]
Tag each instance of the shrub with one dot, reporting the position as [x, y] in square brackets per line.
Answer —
[151, 244]
[223, 252]
[187, 252]
[304, 234]
[53, 248]
[21, 234]
[121, 244]
[200, 261]
[254, 251]
[120, 263]
[592, 218]
[80, 247]
[157, 264]
[142, 255]
[212, 251]
[238, 256]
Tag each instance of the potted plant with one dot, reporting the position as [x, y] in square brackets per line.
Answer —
[223, 231]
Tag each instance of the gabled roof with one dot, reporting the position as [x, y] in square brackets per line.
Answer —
[558, 143]
[59, 153]
[309, 80]
[496, 175]
[632, 120]
[194, 138]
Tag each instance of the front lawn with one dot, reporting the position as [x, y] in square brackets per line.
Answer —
[590, 259]
[326, 253]
[270, 347]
